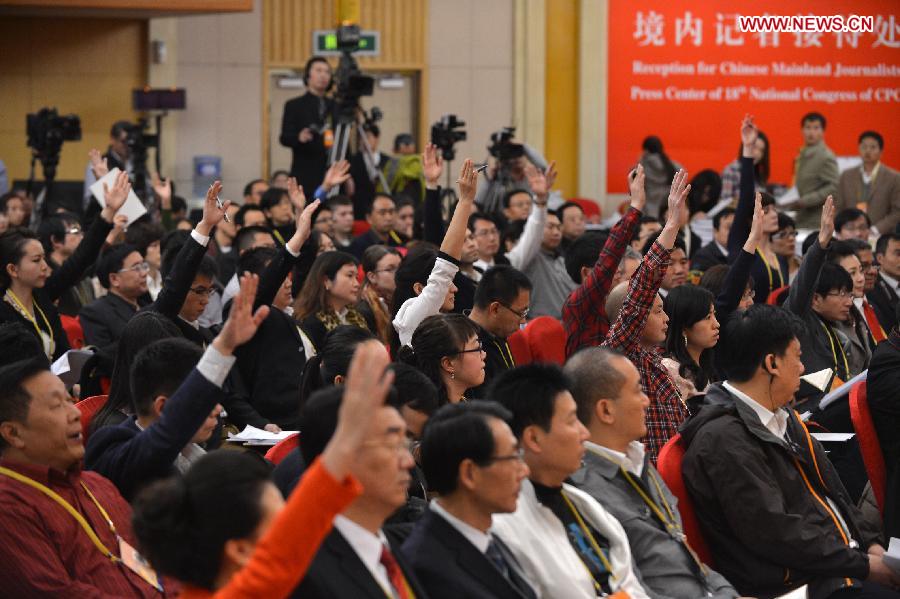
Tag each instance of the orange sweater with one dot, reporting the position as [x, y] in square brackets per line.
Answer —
[284, 553]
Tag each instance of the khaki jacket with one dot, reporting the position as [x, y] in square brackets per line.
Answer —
[882, 203]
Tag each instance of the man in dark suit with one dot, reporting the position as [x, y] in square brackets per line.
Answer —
[306, 121]
[472, 460]
[381, 215]
[123, 272]
[886, 294]
[883, 382]
[176, 404]
[357, 560]
[365, 176]
[716, 251]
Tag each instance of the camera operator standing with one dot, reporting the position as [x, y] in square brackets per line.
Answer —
[508, 171]
[307, 125]
[118, 155]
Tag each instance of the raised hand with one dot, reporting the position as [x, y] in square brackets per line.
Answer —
[336, 174]
[467, 182]
[749, 133]
[163, 190]
[242, 323]
[365, 389]
[826, 225]
[541, 182]
[304, 226]
[636, 188]
[115, 197]
[295, 192]
[432, 165]
[678, 199]
[212, 214]
[756, 226]
[98, 163]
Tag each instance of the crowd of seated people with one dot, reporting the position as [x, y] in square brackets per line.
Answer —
[433, 458]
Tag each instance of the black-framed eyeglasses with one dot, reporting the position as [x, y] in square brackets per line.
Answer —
[139, 267]
[473, 350]
[523, 315]
[519, 456]
[203, 290]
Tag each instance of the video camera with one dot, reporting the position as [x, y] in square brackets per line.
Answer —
[47, 131]
[351, 83]
[502, 148]
[445, 133]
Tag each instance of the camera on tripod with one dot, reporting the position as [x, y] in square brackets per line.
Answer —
[503, 148]
[47, 131]
[351, 83]
[445, 133]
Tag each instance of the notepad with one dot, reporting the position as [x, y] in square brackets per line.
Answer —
[798, 593]
[257, 436]
[133, 207]
[891, 557]
[832, 437]
[68, 366]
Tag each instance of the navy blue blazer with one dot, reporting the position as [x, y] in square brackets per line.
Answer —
[450, 567]
[132, 458]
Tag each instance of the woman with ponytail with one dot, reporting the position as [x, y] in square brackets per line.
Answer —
[691, 338]
[379, 264]
[329, 366]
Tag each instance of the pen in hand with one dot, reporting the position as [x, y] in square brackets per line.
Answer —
[221, 206]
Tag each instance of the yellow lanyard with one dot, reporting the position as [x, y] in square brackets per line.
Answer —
[69, 508]
[670, 523]
[769, 272]
[511, 363]
[831, 334]
[593, 541]
[395, 238]
[52, 346]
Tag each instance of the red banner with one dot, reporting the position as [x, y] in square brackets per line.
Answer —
[687, 72]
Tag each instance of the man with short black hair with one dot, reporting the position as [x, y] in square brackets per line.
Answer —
[872, 186]
[716, 251]
[279, 209]
[46, 549]
[607, 390]
[147, 237]
[886, 293]
[123, 272]
[567, 542]
[783, 518]
[815, 172]
[250, 215]
[341, 220]
[571, 217]
[472, 461]
[852, 223]
[254, 190]
[501, 307]
[380, 216]
[516, 204]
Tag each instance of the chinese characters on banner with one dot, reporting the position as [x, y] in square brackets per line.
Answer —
[685, 71]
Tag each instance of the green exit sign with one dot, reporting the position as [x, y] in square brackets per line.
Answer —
[325, 43]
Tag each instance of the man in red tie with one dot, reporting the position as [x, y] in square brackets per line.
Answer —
[866, 258]
[357, 559]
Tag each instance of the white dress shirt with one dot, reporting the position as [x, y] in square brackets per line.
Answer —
[632, 460]
[775, 422]
[367, 547]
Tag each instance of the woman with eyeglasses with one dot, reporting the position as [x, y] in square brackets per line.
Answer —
[445, 347]
[784, 243]
[28, 287]
[379, 264]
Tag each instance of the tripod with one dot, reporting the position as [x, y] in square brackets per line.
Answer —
[342, 140]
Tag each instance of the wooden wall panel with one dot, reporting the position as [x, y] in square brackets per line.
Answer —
[289, 25]
[191, 6]
[83, 66]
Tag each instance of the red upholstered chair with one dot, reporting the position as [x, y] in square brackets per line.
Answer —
[88, 407]
[669, 465]
[360, 227]
[774, 298]
[546, 340]
[592, 211]
[72, 327]
[518, 345]
[280, 450]
[869, 446]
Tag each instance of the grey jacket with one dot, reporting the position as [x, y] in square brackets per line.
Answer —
[551, 284]
[816, 177]
[663, 564]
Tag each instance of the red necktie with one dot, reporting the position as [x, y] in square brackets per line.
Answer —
[874, 326]
[395, 575]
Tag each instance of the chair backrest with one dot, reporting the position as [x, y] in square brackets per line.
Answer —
[546, 340]
[280, 450]
[774, 298]
[592, 211]
[669, 465]
[360, 227]
[869, 445]
[88, 407]
[518, 345]
[74, 332]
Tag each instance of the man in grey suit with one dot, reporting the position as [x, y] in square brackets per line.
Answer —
[611, 404]
[872, 186]
[815, 172]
